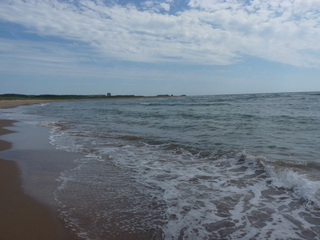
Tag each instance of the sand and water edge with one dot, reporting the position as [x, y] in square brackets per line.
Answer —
[24, 216]
[29, 169]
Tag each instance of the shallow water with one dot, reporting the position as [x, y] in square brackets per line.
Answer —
[204, 167]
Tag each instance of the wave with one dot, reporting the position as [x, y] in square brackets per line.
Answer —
[237, 193]
[300, 177]
[293, 175]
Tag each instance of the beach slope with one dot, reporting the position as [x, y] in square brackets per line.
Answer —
[22, 217]
[19, 102]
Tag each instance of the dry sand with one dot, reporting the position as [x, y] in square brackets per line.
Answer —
[16, 103]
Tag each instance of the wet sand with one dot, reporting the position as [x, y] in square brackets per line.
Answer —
[22, 217]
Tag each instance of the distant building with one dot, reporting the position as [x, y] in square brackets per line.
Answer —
[108, 94]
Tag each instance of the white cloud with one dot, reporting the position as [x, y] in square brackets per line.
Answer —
[165, 6]
[213, 32]
[156, 6]
[22, 56]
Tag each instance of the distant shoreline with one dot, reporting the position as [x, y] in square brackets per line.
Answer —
[4, 104]
[15, 100]
[12, 96]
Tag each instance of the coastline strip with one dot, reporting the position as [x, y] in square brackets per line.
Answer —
[21, 216]
[15, 103]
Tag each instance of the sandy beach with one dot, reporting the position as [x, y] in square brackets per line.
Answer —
[22, 216]
[15, 103]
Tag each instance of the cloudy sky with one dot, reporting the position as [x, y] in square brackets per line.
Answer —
[192, 47]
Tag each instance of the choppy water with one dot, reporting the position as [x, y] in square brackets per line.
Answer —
[203, 167]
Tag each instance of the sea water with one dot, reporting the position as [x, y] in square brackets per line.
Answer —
[198, 167]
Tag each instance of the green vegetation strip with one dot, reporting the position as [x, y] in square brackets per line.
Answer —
[60, 97]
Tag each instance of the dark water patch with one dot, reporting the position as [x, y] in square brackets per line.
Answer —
[131, 137]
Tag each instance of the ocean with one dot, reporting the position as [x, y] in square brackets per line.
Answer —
[197, 167]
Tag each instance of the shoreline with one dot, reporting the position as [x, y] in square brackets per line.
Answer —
[5, 104]
[12, 103]
[27, 176]
[22, 217]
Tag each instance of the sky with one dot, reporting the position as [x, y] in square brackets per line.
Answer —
[193, 47]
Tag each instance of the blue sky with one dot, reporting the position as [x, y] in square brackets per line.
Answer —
[194, 47]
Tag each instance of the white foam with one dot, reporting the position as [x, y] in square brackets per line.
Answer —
[300, 182]
[204, 198]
